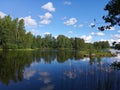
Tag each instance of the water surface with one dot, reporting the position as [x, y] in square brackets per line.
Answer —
[57, 70]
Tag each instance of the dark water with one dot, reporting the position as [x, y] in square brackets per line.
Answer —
[57, 70]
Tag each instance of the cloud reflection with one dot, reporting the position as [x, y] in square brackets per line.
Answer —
[70, 74]
[85, 59]
[106, 69]
[28, 74]
[45, 77]
[44, 74]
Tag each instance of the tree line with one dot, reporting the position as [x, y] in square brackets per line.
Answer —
[14, 36]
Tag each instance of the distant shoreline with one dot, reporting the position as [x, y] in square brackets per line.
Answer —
[83, 53]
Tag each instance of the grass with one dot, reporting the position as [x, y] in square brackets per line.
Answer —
[94, 53]
[26, 49]
[101, 54]
[83, 53]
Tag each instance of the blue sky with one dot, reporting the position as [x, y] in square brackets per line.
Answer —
[71, 18]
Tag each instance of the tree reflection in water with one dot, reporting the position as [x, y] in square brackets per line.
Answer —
[58, 70]
[13, 63]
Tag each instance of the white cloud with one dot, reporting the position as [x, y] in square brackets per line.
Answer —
[118, 40]
[79, 26]
[55, 37]
[71, 21]
[29, 21]
[49, 6]
[34, 32]
[46, 16]
[92, 33]
[87, 38]
[111, 40]
[103, 40]
[45, 21]
[47, 33]
[118, 31]
[67, 3]
[112, 28]
[117, 36]
[2, 15]
[98, 33]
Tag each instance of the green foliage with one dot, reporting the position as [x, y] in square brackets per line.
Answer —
[113, 16]
[117, 46]
[14, 36]
[38, 41]
[48, 41]
[101, 45]
[61, 41]
[79, 44]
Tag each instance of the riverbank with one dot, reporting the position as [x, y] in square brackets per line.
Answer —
[96, 54]
[28, 49]
[82, 53]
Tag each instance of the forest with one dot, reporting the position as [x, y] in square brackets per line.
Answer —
[14, 36]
